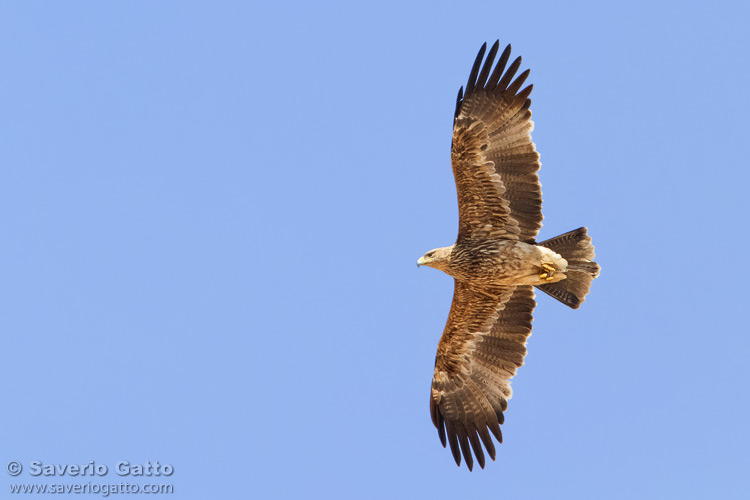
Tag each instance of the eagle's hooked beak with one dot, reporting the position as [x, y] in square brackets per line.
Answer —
[422, 261]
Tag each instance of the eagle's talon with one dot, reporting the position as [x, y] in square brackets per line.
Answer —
[549, 272]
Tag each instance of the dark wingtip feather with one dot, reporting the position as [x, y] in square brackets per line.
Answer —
[513, 88]
[487, 65]
[451, 431]
[524, 95]
[467, 437]
[487, 440]
[503, 83]
[458, 102]
[476, 445]
[495, 428]
[465, 448]
[438, 420]
[434, 412]
[475, 69]
[498, 72]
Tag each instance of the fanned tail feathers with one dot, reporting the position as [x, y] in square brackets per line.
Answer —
[575, 247]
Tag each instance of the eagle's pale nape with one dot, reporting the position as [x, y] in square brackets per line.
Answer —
[495, 261]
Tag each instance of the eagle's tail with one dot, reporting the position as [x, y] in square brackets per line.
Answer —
[575, 247]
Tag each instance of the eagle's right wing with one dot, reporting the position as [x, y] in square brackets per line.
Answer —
[483, 344]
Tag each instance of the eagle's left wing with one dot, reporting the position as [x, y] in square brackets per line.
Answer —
[494, 160]
[483, 344]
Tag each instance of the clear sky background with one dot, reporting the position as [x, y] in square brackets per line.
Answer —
[211, 213]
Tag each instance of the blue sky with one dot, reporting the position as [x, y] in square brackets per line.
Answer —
[212, 213]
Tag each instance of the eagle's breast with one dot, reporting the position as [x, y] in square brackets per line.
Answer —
[493, 261]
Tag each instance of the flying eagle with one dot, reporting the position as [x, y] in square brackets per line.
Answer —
[495, 261]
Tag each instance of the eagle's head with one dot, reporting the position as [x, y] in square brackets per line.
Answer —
[438, 258]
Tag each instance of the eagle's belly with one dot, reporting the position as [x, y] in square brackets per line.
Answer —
[505, 262]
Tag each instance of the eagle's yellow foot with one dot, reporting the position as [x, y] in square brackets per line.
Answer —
[549, 273]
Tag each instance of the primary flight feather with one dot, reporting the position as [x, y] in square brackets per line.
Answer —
[495, 261]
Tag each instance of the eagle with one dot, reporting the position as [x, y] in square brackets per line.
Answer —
[496, 261]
